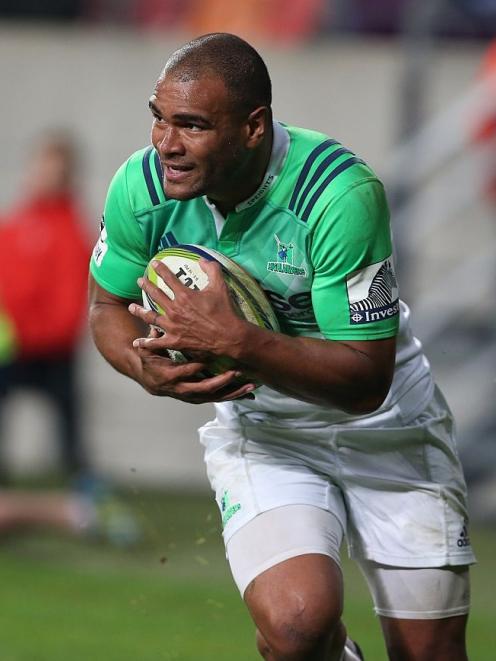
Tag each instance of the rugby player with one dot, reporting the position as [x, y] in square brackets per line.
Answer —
[349, 437]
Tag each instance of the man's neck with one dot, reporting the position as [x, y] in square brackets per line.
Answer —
[250, 178]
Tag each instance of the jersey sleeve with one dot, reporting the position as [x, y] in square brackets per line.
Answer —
[354, 291]
[120, 255]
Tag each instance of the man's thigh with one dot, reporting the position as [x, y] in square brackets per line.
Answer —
[423, 611]
[429, 593]
[280, 534]
[285, 562]
[426, 640]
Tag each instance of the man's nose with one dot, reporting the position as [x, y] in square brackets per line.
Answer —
[170, 141]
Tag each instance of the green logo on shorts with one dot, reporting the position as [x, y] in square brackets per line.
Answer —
[227, 510]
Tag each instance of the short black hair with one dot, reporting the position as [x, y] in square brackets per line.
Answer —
[233, 59]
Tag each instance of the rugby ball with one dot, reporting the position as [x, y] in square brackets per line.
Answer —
[249, 299]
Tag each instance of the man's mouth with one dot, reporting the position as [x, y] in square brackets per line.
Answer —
[176, 173]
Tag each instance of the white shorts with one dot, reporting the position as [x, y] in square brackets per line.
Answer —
[398, 491]
[286, 532]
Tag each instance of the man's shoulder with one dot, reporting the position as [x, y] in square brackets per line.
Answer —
[315, 149]
[134, 163]
[318, 170]
[139, 179]
[305, 137]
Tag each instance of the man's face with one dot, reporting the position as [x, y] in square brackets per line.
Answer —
[50, 171]
[200, 140]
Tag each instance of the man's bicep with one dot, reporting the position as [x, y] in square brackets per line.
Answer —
[114, 328]
[122, 263]
[99, 295]
[109, 311]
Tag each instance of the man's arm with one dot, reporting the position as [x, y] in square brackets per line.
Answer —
[353, 376]
[114, 329]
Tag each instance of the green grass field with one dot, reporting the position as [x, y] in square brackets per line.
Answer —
[171, 598]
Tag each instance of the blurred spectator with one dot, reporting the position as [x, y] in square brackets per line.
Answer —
[43, 269]
[44, 254]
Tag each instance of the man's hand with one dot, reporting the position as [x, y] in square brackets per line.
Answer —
[199, 322]
[114, 331]
[160, 376]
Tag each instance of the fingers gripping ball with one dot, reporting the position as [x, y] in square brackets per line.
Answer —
[249, 299]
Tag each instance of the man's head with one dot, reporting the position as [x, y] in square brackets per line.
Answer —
[230, 58]
[212, 120]
[53, 165]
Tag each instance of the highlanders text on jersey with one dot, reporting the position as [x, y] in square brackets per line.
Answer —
[315, 235]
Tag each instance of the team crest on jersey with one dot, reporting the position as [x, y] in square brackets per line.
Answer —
[373, 293]
[285, 260]
[101, 246]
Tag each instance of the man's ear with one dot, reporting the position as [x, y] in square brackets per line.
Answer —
[258, 123]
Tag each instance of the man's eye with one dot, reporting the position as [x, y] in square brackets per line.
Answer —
[194, 127]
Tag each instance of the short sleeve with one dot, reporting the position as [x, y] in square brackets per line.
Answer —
[120, 255]
[354, 291]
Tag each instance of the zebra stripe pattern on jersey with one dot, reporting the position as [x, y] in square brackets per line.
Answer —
[380, 290]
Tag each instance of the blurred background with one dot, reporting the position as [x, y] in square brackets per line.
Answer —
[410, 85]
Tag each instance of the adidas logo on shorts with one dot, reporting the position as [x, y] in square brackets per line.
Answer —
[463, 539]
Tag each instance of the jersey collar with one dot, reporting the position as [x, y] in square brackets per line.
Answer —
[280, 146]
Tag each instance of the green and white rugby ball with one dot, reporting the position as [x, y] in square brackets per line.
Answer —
[249, 299]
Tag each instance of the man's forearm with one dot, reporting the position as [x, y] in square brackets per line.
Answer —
[353, 378]
[113, 329]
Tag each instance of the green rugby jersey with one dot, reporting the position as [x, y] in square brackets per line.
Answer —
[315, 235]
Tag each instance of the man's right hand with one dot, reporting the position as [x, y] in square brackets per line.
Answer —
[114, 329]
[162, 377]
